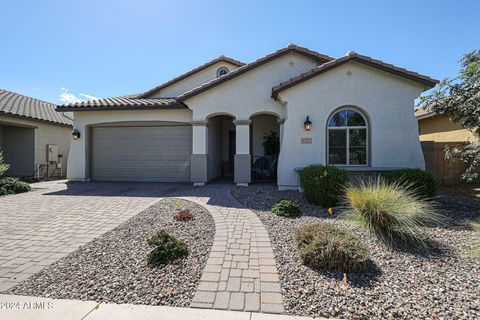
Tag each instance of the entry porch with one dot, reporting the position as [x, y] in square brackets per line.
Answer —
[243, 149]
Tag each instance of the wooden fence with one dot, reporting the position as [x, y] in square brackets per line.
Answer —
[447, 172]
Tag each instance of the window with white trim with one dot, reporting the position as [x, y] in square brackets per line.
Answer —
[222, 71]
[347, 138]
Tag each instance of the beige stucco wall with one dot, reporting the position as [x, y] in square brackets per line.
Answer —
[441, 129]
[387, 100]
[194, 80]
[79, 153]
[249, 93]
[45, 133]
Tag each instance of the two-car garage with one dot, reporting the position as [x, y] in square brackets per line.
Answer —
[141, 153]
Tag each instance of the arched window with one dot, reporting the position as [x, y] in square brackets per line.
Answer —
[347, 138]
[222, 71]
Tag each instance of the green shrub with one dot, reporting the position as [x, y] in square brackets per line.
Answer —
[12, 186]
[323, 185]
[331, 247]
[3, 166]
[391, 212]
[167, 249]
[420, 181]
[286, 208]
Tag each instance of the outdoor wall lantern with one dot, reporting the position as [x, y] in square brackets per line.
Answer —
[307, 124]
[76, 134]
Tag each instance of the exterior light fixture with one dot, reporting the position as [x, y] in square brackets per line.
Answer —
[76, 134]
[307, 124]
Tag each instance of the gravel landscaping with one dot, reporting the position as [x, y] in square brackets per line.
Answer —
[113, 267]
[444, 284]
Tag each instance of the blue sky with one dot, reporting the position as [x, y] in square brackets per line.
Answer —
[104, 48]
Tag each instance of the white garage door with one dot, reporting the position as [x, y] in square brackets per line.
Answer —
[141, 153]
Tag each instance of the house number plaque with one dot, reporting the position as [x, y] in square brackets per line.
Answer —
[306, 140]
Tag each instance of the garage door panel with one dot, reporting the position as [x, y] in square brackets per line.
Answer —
[141, 153]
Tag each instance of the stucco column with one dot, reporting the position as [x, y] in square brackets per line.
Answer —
[243, 159]
[198, 160]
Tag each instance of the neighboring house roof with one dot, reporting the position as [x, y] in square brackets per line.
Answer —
[422, 113]
[18, 105]
[237, 72]
[123, 103]
[222, 58]
[353, 56]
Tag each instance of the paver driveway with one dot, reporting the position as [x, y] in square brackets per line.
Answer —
[40, 227]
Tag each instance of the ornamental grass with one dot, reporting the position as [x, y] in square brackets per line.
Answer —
[391, 211]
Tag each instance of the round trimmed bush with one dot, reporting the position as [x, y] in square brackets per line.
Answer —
[391, 212]
[12, 186]
[286, 208]
[323, 185]
[420, 181]
[167, 249]
[331, 247]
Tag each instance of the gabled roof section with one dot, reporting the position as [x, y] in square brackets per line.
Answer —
[123, 103]
[222, 58]
[292, 48]
[353, 56]
[18, 105]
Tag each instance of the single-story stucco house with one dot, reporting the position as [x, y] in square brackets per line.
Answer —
[34, 138]
[354, 111]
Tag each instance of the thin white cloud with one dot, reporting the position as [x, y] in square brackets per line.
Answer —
[88, 96]
[67, 97]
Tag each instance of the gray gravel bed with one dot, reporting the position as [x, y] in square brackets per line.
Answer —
[113, 267]
[398, 285]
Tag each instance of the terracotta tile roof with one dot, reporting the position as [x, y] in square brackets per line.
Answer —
[353, 56]
[123, 103]
[237, 72]
[18, 105]
[189, 73]
[423, 112]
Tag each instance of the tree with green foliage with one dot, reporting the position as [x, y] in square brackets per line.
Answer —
[459, 99]
[3, 166]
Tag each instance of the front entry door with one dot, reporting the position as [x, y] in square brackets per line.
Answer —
[231, 151]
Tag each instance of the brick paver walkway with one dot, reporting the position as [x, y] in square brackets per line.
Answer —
[240, 273]
[40, 227]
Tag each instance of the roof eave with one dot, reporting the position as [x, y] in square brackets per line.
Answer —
[429, 83]
[26, 117]
[177, 106]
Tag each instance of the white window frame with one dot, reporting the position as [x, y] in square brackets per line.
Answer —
[221, 69]
[347, 129]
